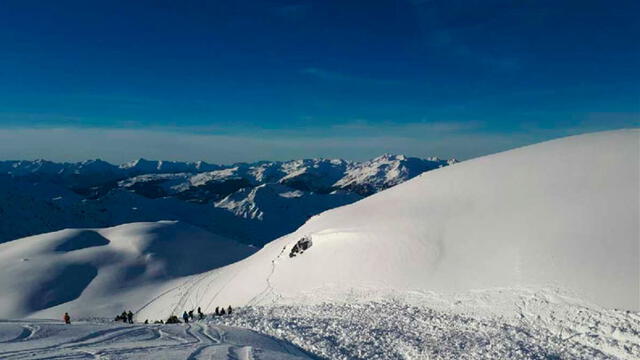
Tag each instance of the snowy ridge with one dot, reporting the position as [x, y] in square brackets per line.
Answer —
[328, 173]
[84, 194]
[103, 270]
[533, 216]
[144, 166]
[386, 171]
[531, 253]
[279, 200]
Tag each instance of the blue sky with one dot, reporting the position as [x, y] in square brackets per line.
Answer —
[228, 81]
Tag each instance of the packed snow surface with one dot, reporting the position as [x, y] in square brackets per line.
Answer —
[90, 340]
[561, 214]
[527, 254]
[491, 324]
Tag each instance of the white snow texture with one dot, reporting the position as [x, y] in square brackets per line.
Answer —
[560, 214]
[529, 253]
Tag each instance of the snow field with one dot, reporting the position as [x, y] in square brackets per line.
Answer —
[488, 324]
[552, 215]
[115, 341]
[101, 272]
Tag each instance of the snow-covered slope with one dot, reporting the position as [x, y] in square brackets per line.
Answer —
[103, 271]
[385, 171]
[563, 214]
[268, 204]
[545, 327]
[28, 208]
[252, 215]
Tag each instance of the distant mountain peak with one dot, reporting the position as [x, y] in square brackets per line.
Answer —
[275, 197]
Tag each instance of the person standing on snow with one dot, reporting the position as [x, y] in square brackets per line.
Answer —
[130, 317]
[229, 310]
[67, 318]
[185, 317]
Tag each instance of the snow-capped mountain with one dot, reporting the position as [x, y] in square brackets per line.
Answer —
[143, 166]
[266, 206]
[255, 202]
[558, 214]
[503, 256]
[386, 171]
[80, 174]
[317, 175]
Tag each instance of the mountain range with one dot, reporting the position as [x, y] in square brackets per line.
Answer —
[552, 215]
[250, 202]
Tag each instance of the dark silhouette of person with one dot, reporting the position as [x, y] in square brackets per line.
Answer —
[217, 311]
[200, 314]
[191, 314]
[222, 311]
[123, 316]
[229, 310]
[185, 317]
[67, 318]
[130, 317]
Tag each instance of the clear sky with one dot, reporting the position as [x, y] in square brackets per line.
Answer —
[227, 81]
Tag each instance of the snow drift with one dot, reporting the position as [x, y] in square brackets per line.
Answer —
[560, 214]
[104, 271]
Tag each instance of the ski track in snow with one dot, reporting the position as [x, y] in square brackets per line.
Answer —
[84, 340]
[27, 332]
[539, 325]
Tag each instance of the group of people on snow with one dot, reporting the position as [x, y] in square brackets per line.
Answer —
[188, 315]
[127, 316]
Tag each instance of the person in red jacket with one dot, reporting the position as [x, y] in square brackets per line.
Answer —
[67, 318]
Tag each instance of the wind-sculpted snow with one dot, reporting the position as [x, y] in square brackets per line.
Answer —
[59, 285]
[81, 239]
[52, 340]
[102, 271]
[557, 214]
